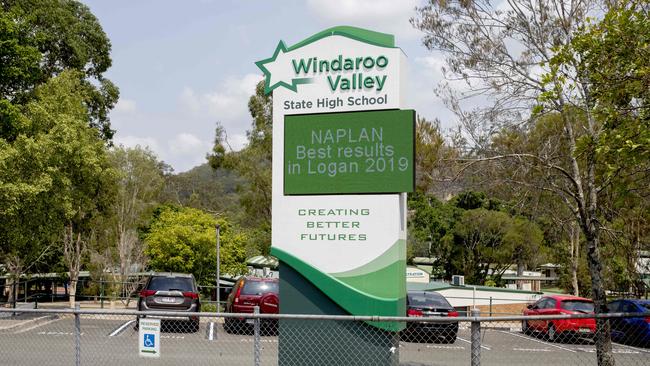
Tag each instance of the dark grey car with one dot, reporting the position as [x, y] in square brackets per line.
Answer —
[172, 292]
[424, 304]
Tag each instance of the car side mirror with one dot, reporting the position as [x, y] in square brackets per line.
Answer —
[529, 306]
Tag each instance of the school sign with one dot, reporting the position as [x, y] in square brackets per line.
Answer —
[343, 155]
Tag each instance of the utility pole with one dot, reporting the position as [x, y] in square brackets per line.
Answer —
[218, 267]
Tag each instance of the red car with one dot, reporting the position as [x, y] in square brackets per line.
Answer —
[247, 293]
[556, 329]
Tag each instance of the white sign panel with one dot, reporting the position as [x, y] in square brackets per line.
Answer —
[149, 338]
[351, 246]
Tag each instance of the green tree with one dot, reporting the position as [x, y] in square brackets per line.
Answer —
[182, 239]
[253, 165]
[433, 157]
[614, 56]
[430, 222]
[471, 234]
[552, 64]
[56, 179]
[41, 39]
[479, 248]
[202, 187]
[140, 179]
[524, 239]
[600, 73]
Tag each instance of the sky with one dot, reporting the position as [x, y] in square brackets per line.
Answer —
[184, 66]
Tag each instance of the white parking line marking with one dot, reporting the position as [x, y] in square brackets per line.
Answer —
[538, 341]
[626, 351]
[466, 341]
[17, 325]
[633, 348]
[246, 340]
[121, 328]
[36, 326]
[532, 349]
[446, 347]
[58, 333]
[211, 332]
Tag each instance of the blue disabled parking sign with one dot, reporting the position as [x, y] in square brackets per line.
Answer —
[149, 340]
[149, 337]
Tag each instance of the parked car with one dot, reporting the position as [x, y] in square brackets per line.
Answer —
[429, 304]
[246, 294]
[172, 292]
[631, 330]
[557, 329]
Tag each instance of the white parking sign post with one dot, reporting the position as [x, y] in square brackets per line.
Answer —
[149, 339]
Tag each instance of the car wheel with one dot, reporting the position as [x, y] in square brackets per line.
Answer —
[524, 327]
[194, 325]
[405, 336]
[228, 326]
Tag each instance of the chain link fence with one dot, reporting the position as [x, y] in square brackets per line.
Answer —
[103, 293]
[103, 337]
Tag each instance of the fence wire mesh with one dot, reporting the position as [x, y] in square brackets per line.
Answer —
[104, 337]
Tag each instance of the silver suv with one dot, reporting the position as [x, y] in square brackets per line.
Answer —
[172, 292]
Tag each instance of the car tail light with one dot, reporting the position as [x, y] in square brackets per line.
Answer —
[191, 295]
[241, 284]
[147, 293]
[452, 313]
[414, 312]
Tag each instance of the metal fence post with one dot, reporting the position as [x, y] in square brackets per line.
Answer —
[475, 358]
[77, 336]
[490, 305]
[256, 337]
[13, 301]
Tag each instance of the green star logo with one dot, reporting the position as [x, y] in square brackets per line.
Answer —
[278, 71]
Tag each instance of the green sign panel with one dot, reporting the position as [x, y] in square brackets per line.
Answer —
[354, 152]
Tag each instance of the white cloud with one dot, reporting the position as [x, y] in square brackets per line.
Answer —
[186, 151]
[390, 16]
[237, 141]
[230, 100]
[190, 100]
[183, 151]
[187, 144]
[125, 106]
[228, 103]
[433, 66]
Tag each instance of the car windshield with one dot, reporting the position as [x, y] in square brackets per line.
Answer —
[578, 305]
[427, 300]
[171, 284]
[259, 287]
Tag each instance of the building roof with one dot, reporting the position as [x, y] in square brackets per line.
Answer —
[567, 297]
[261, 261]
[423, 260]
[439, 286]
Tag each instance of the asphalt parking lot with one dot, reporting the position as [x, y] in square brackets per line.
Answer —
[503, 346]
[49, 340]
